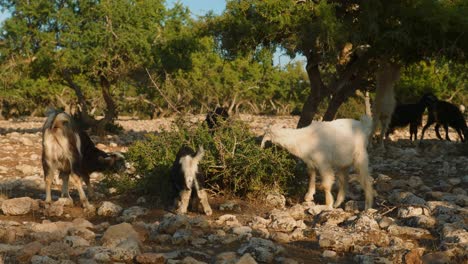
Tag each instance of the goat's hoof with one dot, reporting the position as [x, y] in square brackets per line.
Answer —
[208, 213]
[179, 211]
[308, 204]
[66, 201]
[309, 198]
[89, 209]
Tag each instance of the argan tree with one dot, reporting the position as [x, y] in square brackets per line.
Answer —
[91, 43]
[343, 41]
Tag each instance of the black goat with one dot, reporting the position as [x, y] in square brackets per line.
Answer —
[214, 118]
[70, 151]
[185, 176]
[445, 114]
[405, 114]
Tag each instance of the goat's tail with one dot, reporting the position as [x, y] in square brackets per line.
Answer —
[366, 122]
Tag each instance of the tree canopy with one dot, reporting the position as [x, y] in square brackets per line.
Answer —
[344, 40]
[140, 56]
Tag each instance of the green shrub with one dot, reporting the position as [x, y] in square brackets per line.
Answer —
[234, 163]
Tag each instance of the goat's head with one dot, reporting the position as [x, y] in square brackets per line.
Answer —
[266, 136]
[113, 161]
[428, 99]
[270, 132]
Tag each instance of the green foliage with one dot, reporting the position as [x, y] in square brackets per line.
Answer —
[446, 79]
[256, 85]
[233, 162]
[354, 108]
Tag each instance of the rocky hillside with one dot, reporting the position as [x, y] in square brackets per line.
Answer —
[420, 213]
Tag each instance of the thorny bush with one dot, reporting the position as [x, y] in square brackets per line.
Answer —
[233, 164]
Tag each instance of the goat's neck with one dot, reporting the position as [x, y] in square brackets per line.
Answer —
[290, 139]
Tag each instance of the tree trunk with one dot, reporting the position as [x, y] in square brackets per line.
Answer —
[318, 91]
[342, 95]
[1, 110]
[337, 100]
[111, 109]
[368, 104]
[85, 118]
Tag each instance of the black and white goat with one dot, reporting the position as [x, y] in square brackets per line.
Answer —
[216, 117]
[447, 115]
[405, 114]
[185, 178]
[70, 151]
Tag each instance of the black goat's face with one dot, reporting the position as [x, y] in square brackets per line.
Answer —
[429, 99]
[113, 161]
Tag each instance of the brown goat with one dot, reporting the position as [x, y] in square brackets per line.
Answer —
[70, 151]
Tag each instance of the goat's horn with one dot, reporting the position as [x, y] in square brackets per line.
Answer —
[262, 145]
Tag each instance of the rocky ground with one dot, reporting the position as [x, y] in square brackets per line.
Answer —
[420, 214]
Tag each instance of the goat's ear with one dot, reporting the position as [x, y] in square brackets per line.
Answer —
[117, 155]
[265, 138]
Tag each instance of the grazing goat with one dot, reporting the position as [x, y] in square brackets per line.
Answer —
[384, 102]
[445, 114]
[185, 176]
[69, 150]
[214, 118]
[325, 146]
[405, 114]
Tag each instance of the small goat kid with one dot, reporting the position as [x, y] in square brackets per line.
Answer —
[329, 146]
[185, 176]
[69, 150]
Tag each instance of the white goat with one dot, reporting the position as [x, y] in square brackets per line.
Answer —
[384, 102]
[325, 146]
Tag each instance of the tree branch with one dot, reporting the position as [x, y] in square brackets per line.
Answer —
[161, 93]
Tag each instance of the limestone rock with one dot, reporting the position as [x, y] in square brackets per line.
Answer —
[19, 206]
[109, 209]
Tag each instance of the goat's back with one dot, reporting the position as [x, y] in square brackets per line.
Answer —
[405, 114]
[450, 114]
[337, 142]
[61, 144]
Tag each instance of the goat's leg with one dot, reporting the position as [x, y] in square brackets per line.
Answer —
[183, 201]
[362, 164]
[413, 131]
[328, 178]
[311, 190]
[424, 129]
[436, 128]
[385, 121]
[79, 186]
[48, 177]
[430, 121]
[202, 195]
[65, 176]
[460, 134]
[342, 186]
[374, 127]
[447, 132]
[87, 180]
